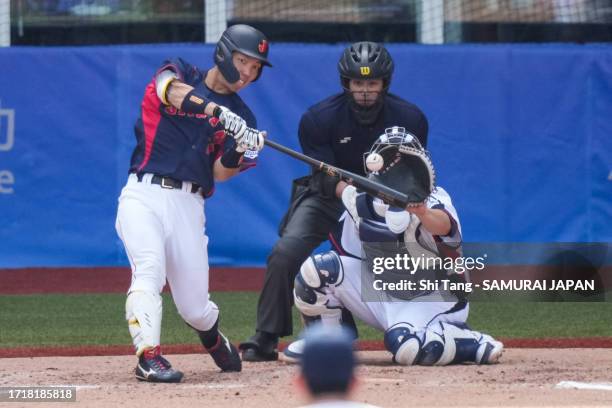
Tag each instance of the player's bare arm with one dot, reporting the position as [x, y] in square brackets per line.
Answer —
[222, 173]
[434, 220]
[172, 91]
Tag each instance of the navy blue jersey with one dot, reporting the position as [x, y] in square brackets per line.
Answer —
[329, 132]
[179, 145]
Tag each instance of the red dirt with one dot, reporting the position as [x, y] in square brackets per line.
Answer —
[111, 280]
[369, 345]
[222, 279]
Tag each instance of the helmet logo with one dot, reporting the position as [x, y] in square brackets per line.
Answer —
[263, 46]
[364, 70]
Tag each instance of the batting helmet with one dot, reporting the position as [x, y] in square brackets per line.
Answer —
[365, 60]
[246, 40]
[328, 361]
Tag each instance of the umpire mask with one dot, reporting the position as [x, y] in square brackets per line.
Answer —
[365, 61]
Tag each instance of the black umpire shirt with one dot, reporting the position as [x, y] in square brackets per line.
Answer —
[329, 132]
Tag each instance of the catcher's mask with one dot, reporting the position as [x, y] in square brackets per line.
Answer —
[398, 161]
[366, 60]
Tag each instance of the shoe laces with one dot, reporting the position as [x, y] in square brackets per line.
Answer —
[155, 360]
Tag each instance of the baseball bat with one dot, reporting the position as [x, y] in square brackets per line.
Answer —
[388, 195]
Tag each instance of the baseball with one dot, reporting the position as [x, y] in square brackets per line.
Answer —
[374, 162]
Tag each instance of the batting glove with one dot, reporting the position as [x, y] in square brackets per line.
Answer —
[251, 139]
[349, 199]
[233, 124]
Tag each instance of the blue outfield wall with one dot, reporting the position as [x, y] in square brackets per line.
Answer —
[521, 136]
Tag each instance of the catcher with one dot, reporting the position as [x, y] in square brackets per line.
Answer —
[423, 323]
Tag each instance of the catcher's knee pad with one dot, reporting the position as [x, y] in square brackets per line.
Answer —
[317, 273]
[403, 343]
[322, 270]
[309, 301]
[432, 349]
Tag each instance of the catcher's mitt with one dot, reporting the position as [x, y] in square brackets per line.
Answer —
[398, 161]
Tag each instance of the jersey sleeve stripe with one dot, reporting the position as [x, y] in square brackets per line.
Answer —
[150, 119]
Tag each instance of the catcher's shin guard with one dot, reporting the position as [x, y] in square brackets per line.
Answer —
[403, 343]
[447, 344]
[489, 351]
[464, 345]
[293, 352]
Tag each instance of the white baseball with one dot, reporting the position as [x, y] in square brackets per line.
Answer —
[374, 162]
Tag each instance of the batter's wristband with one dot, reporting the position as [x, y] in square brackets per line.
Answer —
[194, 103]
[217, 111]
[231, 159]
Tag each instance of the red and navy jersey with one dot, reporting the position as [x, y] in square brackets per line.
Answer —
[184, 146]
[329, 132]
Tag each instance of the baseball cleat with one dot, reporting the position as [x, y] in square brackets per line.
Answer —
[260, 347]
[489, 351]
[225, 355]
[293, 352]
[256, 355]
[152, 367]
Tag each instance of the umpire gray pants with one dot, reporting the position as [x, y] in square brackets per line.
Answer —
[309, 225]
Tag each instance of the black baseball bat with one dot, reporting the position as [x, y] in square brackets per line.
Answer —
[388, 195]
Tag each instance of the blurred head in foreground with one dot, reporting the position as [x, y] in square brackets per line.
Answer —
[328, 362]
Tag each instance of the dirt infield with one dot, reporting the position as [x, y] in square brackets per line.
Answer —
[526, 377]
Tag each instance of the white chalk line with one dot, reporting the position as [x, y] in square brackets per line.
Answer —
[77, 386]
[577, 385]
[390, 380]
[81, 387]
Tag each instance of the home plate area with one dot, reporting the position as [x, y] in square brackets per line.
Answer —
[525, 377]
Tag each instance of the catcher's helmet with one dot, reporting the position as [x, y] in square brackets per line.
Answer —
[246, 40]
[366, 60]
[401, 164]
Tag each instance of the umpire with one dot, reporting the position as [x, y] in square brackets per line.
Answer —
[337, 130]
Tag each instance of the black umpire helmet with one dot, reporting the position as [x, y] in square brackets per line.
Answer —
[365, 60]
[246, 40]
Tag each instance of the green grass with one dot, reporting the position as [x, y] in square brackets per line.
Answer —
[98, 319]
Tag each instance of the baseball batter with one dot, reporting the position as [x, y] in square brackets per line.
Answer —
[193, 130]
[422, 326]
